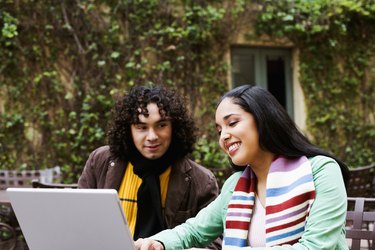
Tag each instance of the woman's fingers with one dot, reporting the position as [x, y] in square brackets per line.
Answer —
[148, 244]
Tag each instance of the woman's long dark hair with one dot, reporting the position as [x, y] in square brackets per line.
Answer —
[277, 131]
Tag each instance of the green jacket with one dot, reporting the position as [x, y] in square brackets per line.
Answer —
[325, 228]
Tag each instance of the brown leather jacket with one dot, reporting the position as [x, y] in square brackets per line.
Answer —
[191, 186]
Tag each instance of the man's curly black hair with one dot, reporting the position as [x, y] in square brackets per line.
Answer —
[171, 105]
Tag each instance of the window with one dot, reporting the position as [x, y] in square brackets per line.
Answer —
[266, 67]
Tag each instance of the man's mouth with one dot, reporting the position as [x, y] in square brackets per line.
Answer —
[153, 147]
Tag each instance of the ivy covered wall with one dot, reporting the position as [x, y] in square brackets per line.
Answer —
[336, 40]
[65, 62]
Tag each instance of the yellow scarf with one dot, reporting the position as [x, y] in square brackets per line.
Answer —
[128, 193]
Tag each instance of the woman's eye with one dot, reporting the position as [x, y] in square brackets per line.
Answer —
[233, 123]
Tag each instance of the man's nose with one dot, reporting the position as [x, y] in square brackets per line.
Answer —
[152, 135]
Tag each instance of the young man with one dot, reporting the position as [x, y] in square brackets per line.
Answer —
[146, 161]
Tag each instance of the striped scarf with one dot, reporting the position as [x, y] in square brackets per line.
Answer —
[289, 195]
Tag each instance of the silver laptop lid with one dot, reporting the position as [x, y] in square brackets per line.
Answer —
[71, 219]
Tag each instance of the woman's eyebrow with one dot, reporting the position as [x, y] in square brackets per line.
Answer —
[228, 116]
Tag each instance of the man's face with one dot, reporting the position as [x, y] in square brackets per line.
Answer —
[153, 134]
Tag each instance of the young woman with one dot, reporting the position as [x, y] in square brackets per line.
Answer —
[288, 194]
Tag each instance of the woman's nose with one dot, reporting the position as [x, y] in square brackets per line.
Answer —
[224, 136]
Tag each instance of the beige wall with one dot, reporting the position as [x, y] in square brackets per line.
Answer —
[298, 96]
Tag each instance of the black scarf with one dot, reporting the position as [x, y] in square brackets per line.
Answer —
[149, 215]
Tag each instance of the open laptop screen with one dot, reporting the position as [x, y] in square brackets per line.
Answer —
[74, 219]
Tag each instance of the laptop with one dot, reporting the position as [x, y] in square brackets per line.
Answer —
[71, 219]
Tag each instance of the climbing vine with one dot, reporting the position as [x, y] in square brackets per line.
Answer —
[64, 63]
[336, 40]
